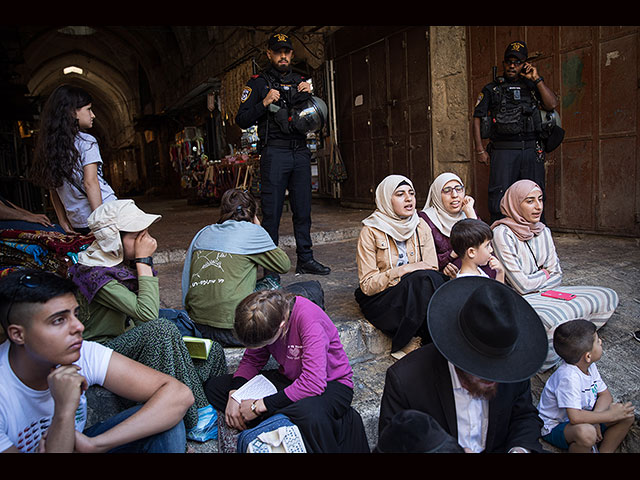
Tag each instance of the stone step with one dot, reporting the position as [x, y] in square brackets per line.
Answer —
[368, 348]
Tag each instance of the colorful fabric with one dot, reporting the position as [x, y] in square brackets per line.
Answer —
[51, 251]
[56, 242]
[35, 251]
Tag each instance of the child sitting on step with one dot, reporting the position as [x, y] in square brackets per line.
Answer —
[471, 240]
[314, 379]
[46, 366]
[576, 406]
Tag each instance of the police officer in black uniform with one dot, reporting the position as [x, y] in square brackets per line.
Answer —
[285, 160]
[507, 112]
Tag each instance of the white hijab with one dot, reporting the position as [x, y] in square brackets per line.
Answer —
[384, 218]
[434, 208]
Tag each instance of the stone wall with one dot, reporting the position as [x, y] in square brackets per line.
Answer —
[451, 133]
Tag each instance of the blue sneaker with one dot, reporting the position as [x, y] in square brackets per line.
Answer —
[207, 427]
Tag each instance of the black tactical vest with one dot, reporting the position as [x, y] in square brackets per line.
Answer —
[276, 126]
[514, 109]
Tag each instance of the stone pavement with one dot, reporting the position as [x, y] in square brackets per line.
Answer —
[585, 259]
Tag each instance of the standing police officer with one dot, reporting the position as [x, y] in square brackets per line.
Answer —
[507, 112]
[285, 160]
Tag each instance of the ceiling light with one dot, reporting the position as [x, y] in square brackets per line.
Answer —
[72, 69]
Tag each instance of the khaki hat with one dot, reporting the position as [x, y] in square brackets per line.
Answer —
[106, 222]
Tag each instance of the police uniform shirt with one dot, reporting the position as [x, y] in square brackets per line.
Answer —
[519, 89]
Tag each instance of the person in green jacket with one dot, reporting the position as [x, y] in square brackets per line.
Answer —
[115, 276]
[221, 268]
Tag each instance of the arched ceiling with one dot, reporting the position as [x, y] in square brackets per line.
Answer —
[117, 60]
[111, 58]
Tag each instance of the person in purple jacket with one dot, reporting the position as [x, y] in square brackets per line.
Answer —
[314, 378]
[447, 203]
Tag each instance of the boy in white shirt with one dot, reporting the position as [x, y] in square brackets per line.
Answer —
[46, 367]
[575, 405]
[471, 241]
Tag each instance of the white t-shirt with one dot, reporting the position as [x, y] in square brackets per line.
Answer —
[25, 413]
[75, 202]
[481, 273]
[568, 387]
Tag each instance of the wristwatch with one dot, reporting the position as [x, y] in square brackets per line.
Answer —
[146, 260]
[538, 80]
[253, 406]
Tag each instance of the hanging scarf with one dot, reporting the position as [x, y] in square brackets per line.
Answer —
[510, 206]
[90, 279]
[384, 218]
[434, 208]
[240, 238]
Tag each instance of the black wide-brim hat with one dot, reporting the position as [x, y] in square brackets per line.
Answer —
[487, 329]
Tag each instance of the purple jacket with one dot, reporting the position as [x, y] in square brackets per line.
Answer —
[311, 354]
[444, 249]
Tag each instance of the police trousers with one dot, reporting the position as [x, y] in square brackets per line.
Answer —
[282, 169]
[508, 165]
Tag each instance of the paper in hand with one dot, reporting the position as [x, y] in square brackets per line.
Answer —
[256, 388]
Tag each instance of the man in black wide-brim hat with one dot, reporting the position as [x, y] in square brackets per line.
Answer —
[474, 378]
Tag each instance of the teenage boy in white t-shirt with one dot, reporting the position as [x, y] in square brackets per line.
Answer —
[46, 367]
[575, 405]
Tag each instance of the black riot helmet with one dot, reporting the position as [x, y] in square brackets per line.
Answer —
[309, 116]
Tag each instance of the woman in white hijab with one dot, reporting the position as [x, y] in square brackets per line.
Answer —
[397, 267]
[447, 203]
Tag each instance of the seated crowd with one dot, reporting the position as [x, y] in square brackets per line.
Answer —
[466, 305]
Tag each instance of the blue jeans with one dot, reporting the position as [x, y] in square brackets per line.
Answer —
[22, 225]
[173, 440]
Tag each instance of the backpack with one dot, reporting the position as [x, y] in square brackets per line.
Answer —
[276, 434]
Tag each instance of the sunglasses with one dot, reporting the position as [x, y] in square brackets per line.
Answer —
[513, 61]
[25, 281]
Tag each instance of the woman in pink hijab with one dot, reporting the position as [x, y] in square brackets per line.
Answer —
[526, 249]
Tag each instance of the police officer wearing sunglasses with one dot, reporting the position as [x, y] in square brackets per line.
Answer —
[508, 113]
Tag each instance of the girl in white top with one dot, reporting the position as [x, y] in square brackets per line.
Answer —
[67, 160]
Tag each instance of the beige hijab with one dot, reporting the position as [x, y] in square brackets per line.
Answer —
[510, 206]
[434, 208]
[384, 218]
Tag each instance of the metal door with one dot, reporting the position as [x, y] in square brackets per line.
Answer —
[593, 178]
[382, 100]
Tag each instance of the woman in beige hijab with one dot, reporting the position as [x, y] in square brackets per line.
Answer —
[524, 245]
[115, 276]
[397, 267]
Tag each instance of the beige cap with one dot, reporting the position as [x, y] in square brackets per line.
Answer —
[106, 222]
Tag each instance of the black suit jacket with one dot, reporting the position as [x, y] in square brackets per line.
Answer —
[421, 381]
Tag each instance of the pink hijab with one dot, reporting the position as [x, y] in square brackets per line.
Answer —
[510, 206]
